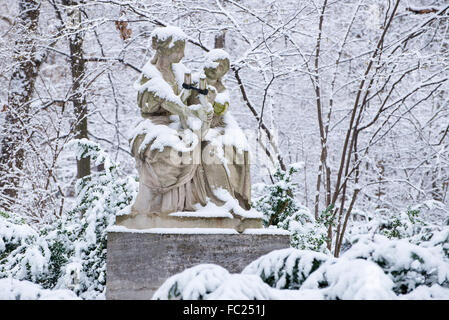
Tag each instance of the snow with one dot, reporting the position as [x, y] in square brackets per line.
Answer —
[286, 268]
[297, 166]
[266, 231]
[214, 55]
[192, 283]
[409, 149]
[242, 287]
[161, 89]
[163, 33]
[361, 280]
[434, 292]
[15, 233]
[212, 282]
[299, 274]
[179, 69]
[231, 203]
[232, 135]
[222, 97]
[210, 210]
[116, 228]
[158, 85]
[351, 279]
[149, 71]
[194, 123]
[408, 264]
[161, 136]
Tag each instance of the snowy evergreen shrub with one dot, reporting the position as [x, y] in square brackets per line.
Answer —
[308, 233]
[438, 239]
[286, 268]
[281, 209]
[244, 287]
[100, 197]
[434, 292]
[192, 284]
[409, 266]
[13, 289]
[406, 224]
[350, 279]
[212, 282]
[24, 254]
[278, 202]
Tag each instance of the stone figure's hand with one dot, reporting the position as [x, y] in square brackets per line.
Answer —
[200, 114]
[210, 115]
[183, 115]
[207, 116]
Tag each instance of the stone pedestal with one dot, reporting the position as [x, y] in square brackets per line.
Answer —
[139, 261]
[189, 220]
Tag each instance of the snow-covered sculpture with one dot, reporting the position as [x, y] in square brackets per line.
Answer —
[183, 123]
[166, 183]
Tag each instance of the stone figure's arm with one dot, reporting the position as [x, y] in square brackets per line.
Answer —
[151, 101]
[174, 108]
[180, 110]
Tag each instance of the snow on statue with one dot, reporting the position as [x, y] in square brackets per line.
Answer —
[191, 155]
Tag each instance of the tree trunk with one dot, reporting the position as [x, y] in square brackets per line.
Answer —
[77, 67]
[20, 91]
[220, 40]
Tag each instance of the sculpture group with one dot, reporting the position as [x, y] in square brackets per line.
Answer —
[191, 155]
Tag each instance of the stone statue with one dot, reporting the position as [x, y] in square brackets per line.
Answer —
[225, 157]
[181, 159]
[165, 185]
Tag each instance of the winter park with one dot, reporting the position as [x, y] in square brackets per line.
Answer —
[224, 150]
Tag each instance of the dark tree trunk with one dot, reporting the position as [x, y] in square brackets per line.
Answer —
[220, 40]
[20, 91]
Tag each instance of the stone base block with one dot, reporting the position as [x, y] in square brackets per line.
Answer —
[139, 261]
[153, 221]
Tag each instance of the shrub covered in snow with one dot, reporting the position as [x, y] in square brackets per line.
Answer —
[439, 239]
[405, 224]
[351, 279]
[12, 289]
[362, 273]
[277, 202]
[24, 254]
[286, 268]
[71, 253]
[193, 284]
[281, 209]
[408, 265]
[212, 282]
[101, 196]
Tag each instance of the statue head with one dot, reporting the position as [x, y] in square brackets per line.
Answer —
[169, 42]
[217, 64]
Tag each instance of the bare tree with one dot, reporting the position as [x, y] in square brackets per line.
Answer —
[21, 87]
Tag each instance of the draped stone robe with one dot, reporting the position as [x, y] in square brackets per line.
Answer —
[166, 185]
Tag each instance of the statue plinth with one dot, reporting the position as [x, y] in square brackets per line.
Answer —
[139, 261]
[154, 221]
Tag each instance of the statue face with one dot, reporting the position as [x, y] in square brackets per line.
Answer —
[174, 52]
[219, 71]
